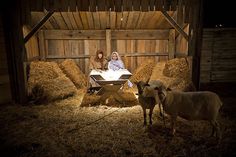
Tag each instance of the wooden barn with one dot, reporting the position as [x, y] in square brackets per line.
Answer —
[141, 31]
[138, 30]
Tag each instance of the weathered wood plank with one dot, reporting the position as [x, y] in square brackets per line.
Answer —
[78, 20]
[171, 44]
[108, 41]
[84, 19]
[42, 45]
[140, 34]
[67, 20]
[74, 34]
[72, 20]
[58, 17]
[112, 20]
[124, 17]
[103, 20]
[90, 20]
[100, 34]
[140, 19]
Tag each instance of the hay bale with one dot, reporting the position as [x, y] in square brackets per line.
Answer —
[157, 74]
[142, 73]
[58, 88]
[74, 73]
[47, 82]
[177, 67]
[128, 100]
[175, 80]
[90, 100]
[40, 71]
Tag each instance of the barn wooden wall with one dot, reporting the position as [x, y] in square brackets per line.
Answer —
[218, 57]
[32, 47]
[61, 44]
[5, 90]
[182, 44]
[56, 49]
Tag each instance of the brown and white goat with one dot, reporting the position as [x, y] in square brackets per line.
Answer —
[145, 102]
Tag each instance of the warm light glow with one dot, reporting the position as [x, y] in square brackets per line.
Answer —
[111, 75]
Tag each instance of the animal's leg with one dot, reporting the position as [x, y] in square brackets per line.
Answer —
[150, 115]
[161, 114]
[144, 117]
[214, 127]
[216, 130]
[173, 121]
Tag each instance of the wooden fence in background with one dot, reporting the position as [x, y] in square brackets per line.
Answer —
[218, 57]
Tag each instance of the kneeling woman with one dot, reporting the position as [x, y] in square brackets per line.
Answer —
[99, 62]
[115, 63]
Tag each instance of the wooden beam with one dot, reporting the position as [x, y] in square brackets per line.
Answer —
[42, 51]
[101, 34]
[171, 44]
[174, 24]
[74, 34]
[196, 39]
[38, 26]
[126, 55]
[140, 34]
[16, 54]
[108, 41]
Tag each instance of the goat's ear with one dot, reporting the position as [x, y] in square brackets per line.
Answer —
[147, 84]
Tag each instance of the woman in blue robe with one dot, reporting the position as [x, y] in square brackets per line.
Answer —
[115, 63]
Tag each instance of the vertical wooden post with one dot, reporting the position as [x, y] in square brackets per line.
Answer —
[195, 33]
[108, 41]
[16, 54]
[171, 44]
[42, 51]
[86, 52]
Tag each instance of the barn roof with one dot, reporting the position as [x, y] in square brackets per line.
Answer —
[100, 20]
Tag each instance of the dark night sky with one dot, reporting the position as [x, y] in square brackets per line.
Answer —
[217, 12]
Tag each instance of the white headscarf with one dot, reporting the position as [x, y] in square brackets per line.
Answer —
[118, 56]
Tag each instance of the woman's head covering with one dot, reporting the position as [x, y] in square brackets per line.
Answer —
[118, 56]
[97, 58]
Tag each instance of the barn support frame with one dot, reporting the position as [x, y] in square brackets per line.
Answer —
[16, 54]
[195, 41]
[38, 26]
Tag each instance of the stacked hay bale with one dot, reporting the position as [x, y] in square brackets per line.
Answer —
[47, 82]
[142, 73]
[129, 100]
[74, 73]
[175, 74]
[157, 74]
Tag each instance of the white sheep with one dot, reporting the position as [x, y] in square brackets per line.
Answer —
[203, 105]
